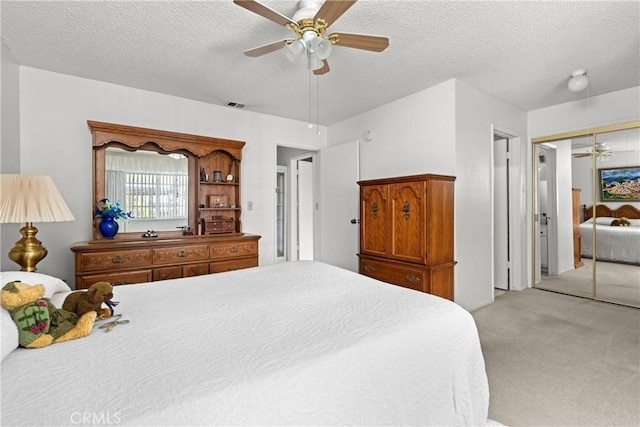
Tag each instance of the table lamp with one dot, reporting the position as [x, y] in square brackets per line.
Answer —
[29, 199]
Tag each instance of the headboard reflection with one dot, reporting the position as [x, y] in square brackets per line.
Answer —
[627, 211]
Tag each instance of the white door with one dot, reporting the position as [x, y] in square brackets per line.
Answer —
[500, 214]
[339, 205]
[305, 209]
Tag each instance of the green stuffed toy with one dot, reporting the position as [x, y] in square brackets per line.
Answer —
[39, 322]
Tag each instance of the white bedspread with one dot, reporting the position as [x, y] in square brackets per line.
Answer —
[615, 244]
[299, 343]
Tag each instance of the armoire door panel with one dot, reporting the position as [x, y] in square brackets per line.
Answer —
[407, 222]
[373, 217]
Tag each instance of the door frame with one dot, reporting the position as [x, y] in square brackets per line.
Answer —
[293, 204]
[285, 171]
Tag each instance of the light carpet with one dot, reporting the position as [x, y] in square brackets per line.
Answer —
[559, 360]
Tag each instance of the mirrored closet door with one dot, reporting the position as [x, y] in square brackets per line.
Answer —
[586, 210]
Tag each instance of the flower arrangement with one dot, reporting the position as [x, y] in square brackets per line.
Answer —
[104, 208]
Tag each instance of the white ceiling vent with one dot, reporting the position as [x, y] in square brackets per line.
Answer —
[234, 104]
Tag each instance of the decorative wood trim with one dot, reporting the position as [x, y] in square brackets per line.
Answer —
[136, 137]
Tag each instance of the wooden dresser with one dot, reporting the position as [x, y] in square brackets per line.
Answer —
[136, 261]
[407, 232]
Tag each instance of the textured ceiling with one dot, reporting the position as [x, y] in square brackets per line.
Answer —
[521, 52]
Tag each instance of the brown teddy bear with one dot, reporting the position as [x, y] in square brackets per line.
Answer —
[91, 300]
[39, 322]
[621, 222]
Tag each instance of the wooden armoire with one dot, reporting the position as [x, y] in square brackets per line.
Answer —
[407, 232]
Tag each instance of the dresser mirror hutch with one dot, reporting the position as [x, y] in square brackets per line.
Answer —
[576, 250]
[184, 195]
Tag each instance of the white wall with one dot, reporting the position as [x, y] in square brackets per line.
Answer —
[477, 116]
[9, 135]
[615, 107]
[56, 141]
[413, 135]
[565, 208]
[446, 129]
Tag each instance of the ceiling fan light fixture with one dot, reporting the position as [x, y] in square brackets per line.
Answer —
[321, 46]
[578, 81]
[295, 51]
[313, 61]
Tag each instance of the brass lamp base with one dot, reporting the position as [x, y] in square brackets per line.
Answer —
[28, 251]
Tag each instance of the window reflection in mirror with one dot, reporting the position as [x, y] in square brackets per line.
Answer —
[154, 187]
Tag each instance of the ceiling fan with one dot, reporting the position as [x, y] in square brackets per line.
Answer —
[602, 150]
[309, 24]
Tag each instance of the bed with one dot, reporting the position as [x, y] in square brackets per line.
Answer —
[296, 343]
[613, 243]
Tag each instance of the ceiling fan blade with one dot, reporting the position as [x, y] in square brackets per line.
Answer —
[331, 10]
[582, 155]
[361, 41]
[267, 48]
[264, 11]
[323, 70]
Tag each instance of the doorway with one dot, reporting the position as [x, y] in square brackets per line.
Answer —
[501, 213]
[281, 212]
[295, 204]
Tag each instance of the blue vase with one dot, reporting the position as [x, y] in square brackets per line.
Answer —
[108, 227]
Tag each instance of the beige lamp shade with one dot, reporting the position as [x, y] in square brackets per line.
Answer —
[31, 198]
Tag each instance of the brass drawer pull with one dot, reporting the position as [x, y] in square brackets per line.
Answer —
[413, 279]
[182, 254]
[369, 268]
[233, 249]
[117, 259]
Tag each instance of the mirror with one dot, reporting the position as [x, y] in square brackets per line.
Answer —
[156, 175]
[567, 173]
[153, 186]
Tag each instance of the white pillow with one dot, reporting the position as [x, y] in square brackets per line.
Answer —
[8, 329]
[51, 284]
[604, 220]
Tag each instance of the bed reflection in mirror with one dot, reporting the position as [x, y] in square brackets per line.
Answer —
[152, 186]
[572, 218]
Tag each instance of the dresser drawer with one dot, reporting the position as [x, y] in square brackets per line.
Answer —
[166, 273]
[397, 274]
[115, 259]
[124, 278]
[238, 264]
[224, 250]
[180, 254]
[219, 226]
[195, 269]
